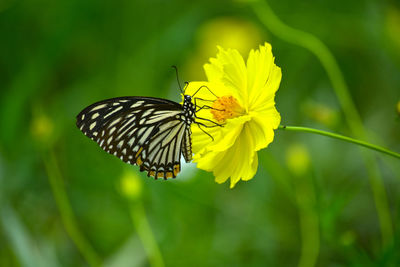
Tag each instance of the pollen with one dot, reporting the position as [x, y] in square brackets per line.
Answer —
[226, 107]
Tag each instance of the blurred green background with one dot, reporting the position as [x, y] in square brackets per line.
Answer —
[65, 202]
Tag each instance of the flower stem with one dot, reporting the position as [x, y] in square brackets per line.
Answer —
[341, 137]
[67, 215]
[321, 51]
[304, 193]
[145, 233]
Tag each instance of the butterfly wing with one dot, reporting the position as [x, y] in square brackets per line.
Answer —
[161, 155]
[142, 131]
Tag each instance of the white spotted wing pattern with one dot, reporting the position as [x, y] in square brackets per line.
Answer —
[149, 132]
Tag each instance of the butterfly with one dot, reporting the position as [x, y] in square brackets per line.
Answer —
[145, 131]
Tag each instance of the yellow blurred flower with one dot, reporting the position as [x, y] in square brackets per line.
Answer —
[41, 127]
[298, 159]
[223, 31]
[321, 113]
[228, 32]
[392, 26]
[130, 185]
[241, 96]
[398, 107]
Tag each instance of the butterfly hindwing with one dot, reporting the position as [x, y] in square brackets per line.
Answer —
[161, 156]
[139, 130]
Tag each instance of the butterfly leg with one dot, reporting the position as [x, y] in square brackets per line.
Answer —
[204, 86]
[215, 123]
[208, 107]
[198, 124]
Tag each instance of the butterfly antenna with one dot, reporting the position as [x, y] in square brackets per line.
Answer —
[186, 86]
[177, 78]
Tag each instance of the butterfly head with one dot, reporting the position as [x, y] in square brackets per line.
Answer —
[187, 99]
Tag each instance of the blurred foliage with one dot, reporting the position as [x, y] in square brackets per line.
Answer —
[64, 202]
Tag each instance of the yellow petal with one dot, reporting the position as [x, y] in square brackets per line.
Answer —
[200, 140]
[209, 160]
[267, 93]
[237, 162]
[262, 126]
[229, 69]
[229, 132]
[214, 70]
[254, 166]
[259, 64]
[245, 164]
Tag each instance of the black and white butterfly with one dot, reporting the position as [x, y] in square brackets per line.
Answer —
[145, 131]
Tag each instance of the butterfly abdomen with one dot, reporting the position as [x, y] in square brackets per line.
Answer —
[187, 145]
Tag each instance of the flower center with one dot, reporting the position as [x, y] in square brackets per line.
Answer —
[226, 107]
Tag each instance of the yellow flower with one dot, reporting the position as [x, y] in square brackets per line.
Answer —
[130, 185]
[226, 32]
[241, 98]
[42, 128]
[298, 159]
[398, 107]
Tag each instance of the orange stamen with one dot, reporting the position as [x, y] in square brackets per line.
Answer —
[226, 107]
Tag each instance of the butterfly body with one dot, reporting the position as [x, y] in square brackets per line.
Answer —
[145, 131]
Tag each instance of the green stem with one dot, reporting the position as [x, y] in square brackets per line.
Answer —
[322, 52]
[143, 229]
[304, 192]
[341, 137]
[67, 215]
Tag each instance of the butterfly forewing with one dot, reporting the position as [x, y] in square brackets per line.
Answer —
[149, 132]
